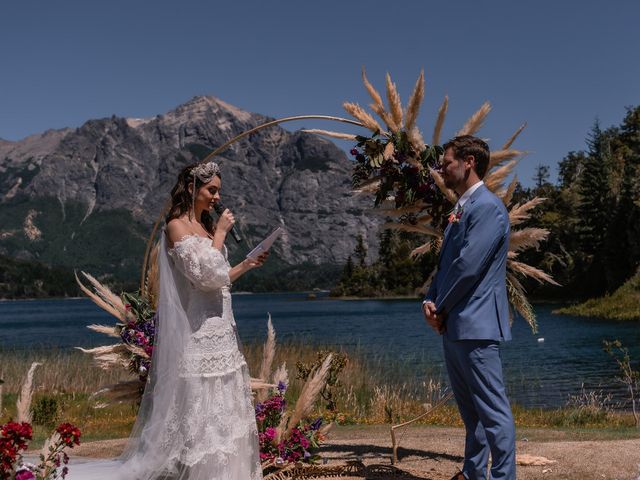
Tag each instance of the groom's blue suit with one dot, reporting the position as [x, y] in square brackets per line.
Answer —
[469, 289]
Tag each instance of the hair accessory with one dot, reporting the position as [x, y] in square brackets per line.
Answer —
[205, 173]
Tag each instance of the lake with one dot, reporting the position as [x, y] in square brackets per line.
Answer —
[391, 334]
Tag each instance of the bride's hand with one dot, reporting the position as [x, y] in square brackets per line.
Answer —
[258, 262]
[225, 221]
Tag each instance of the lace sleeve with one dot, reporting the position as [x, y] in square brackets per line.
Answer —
[205, 266]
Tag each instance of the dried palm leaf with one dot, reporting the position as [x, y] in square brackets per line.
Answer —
[447, 192]
[422, 249]
[309, 394]
[518, 301]
[416, 141]
[328, 133]
[531, 272]
[130, 390]
[476, 120]
[405, 227]
[389, 150]
[442, 113]
[494, 179]
[281, 375]
[370, 186]
[508, 194]
[395, 105]
[375, 96]
[281, 428]
[426, 218]
[378, 106]
[152, 284]
[23, 404]
[527, 238]
[520, 213]
[398, 212]
[513, 137]
[120, 315]
[261, 386]
[268, 354]
[425, 286]
[107, 330]
[136, 350]
[105, 293]
[358, 112]
[413, 107]
[500, 156]
[109, 356]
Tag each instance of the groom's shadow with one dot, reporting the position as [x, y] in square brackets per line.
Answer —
[383, 455]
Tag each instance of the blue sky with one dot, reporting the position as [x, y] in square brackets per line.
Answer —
[558, 65]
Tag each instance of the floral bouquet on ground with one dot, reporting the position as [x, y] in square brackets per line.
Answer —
[15, 438]
[303, 439]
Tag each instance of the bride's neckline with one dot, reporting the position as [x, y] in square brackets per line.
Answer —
[184, 238]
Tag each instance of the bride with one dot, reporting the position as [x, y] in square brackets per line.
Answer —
[196, 420]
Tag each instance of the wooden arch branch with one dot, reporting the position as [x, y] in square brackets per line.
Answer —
[154, 231]
[395, 442]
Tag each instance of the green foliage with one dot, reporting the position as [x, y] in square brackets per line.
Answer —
[623, 304]
[394, 273]
[593, 215]
[46, 411]
[29, 279]
[328, 392]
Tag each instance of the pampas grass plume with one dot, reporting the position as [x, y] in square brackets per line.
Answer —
[23, 405]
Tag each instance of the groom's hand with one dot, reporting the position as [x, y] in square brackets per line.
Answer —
[433, 319]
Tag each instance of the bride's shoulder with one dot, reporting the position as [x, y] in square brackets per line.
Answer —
[177, 229]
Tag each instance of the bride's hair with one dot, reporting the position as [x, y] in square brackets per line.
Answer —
[181, 198]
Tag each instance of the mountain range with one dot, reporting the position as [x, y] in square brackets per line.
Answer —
[86, 198]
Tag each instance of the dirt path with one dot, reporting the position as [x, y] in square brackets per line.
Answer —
[435, 453]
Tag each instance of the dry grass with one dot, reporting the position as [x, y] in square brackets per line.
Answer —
[368, 394]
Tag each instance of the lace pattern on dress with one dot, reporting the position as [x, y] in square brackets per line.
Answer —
[206, 267]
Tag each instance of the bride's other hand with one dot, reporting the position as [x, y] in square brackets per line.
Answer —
[246, 265]
[258, 262]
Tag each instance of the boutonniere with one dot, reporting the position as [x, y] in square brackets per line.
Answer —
[456, 214]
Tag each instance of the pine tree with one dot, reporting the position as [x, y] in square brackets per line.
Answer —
[360, 251]
[594, 209]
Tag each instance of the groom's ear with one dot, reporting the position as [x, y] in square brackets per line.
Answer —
[471, 161]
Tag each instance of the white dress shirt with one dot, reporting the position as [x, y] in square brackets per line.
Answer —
[466, 195]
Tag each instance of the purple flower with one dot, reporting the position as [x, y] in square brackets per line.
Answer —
[281, 387]
[316, 425]
[354, 151]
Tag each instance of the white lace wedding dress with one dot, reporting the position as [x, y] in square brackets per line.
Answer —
[196, 420]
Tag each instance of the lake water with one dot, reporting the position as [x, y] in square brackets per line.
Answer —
[391, 334]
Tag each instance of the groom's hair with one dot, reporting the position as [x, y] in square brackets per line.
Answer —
[466, 145]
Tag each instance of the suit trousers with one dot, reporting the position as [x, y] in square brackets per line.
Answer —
[475, 374]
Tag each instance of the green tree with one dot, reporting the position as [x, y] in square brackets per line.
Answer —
[594, 209]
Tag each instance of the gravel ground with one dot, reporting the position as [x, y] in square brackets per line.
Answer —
[435, 453]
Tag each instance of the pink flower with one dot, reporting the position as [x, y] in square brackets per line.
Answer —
[25, 474]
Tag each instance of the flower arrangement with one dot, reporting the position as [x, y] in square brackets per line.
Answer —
[298, 446]
[402, 171]
[135, 329]
[15, 438]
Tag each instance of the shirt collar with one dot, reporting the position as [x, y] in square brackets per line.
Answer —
[466, 195]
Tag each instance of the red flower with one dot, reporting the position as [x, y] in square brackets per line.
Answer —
[69, 434]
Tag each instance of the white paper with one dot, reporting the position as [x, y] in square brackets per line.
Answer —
[265, 244]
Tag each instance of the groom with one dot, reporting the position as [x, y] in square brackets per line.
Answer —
[467, 304]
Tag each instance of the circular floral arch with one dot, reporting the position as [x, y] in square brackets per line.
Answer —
[402, 171]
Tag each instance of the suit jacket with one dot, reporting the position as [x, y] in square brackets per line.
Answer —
[470, 284]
